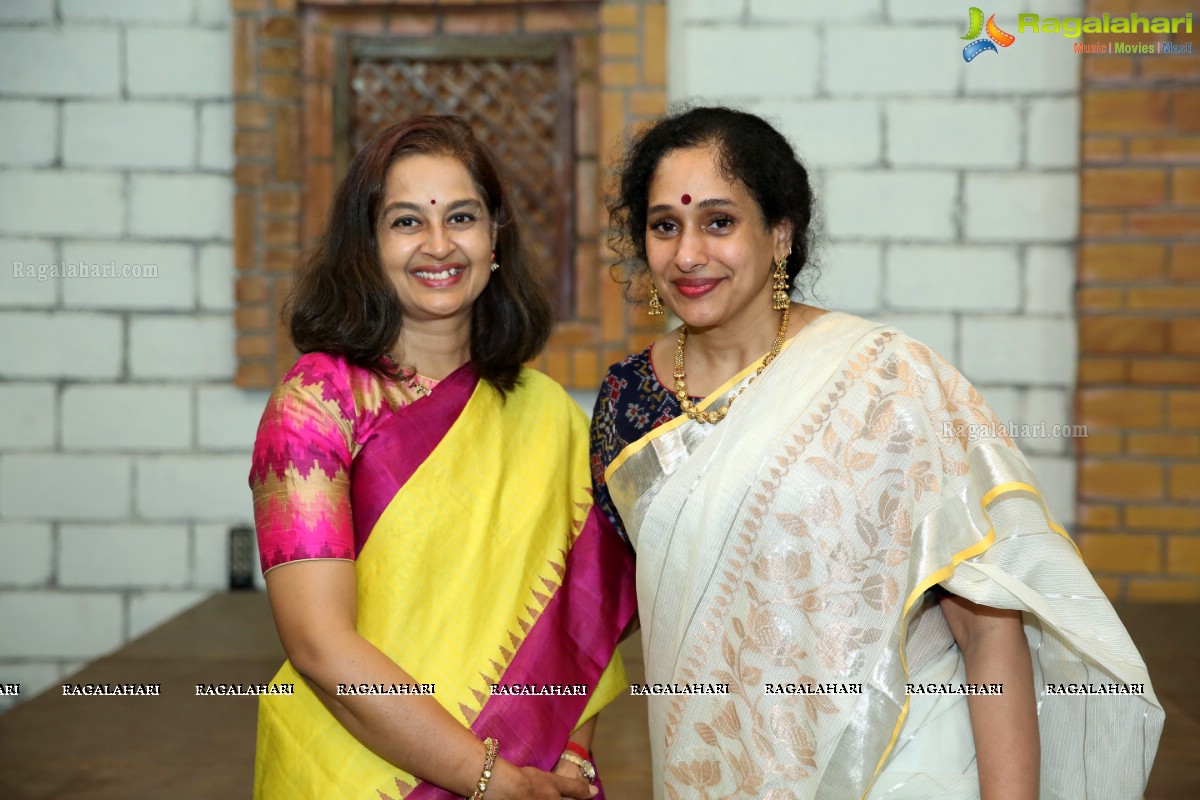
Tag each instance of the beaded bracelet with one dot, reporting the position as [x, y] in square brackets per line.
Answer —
[492, 749]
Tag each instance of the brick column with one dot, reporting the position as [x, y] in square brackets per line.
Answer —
[283, 67]
[1138, 306]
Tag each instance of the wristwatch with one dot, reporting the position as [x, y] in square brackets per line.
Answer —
[585, 766]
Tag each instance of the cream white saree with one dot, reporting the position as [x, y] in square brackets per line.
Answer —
[788, 553]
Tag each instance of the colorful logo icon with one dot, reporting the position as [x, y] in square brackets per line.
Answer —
[995, 36]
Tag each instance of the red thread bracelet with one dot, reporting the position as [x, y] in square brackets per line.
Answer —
[579, 750]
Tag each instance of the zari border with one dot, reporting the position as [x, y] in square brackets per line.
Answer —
[939, 575]
[633, 448]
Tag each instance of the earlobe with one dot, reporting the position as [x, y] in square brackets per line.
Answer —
[783, 240]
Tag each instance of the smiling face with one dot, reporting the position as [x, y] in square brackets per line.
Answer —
[435, 237]
[710, 254]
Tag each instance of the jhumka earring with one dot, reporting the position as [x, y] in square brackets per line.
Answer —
[779, 297]
[495, 264]
[656, 306]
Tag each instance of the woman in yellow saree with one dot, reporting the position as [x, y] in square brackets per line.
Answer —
[849, 584]
[447, 595]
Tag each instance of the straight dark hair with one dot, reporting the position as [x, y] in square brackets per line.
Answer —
[343, 304]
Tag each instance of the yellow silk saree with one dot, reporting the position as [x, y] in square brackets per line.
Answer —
[480, 562]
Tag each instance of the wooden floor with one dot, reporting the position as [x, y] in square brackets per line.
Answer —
[182, 746]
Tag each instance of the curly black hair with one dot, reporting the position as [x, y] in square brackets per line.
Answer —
[749, 151]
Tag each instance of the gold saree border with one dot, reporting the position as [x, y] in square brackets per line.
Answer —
[940, 574]
[633, 448]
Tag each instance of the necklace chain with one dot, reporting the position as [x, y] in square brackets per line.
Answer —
[713, 417]
[409, 377]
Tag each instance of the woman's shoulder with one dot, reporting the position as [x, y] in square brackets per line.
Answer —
[328, 381]
[636, 365]
[890, 339]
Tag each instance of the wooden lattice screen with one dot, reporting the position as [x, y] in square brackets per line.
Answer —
[506, 66]
[517, 94]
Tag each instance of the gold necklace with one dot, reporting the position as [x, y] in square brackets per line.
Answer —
[713, 417]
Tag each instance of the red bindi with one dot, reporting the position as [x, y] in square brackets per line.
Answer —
[686, 199]
[433, 202]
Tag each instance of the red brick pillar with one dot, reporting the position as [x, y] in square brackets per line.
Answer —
[1139, 314]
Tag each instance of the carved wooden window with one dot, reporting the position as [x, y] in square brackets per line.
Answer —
[517, 93]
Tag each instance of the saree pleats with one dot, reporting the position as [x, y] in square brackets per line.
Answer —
[487, 565]
[797, 544]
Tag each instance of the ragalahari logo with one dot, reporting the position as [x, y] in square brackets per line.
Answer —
[995, 36]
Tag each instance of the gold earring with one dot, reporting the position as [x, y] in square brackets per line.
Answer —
[779, 297]
[656, 306]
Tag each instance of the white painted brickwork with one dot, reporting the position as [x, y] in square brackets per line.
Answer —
[116, 146]
[124, 447]
[138, 135]
[947, 191]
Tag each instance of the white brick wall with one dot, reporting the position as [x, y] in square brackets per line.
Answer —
[60, 625]
[1012, 349]
[156, 202]
[1050, 280]
[206, 488]
[59, 486]
[124, 134]
[968, 134]
[829, 132]
[28, 554]
[216, 136]
[126, 10]
[61, 203]
[60, 62]
[27, 11]
[124, 448]
[851, 276]
[160, 276]
[115, 556]
[19, 283]
[1022, 206]
[126, 418]
[179, 62]
[1047, 119]
[210, 556]
[27, 419]
[784, 64]
[791, 11]
[60, 344]
[947, 191]
[228, 417]
[181, 347]
[216, 277]
[948, 278]
[885, 60]
[28, 130]
[891, 204]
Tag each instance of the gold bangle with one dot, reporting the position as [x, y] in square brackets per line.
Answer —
[492, 749]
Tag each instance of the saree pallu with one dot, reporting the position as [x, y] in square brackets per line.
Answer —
[484, 562]
[795, 544]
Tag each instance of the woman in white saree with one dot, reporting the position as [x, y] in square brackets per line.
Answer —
[846, 573]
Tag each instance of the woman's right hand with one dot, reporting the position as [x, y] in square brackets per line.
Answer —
[510, 782]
